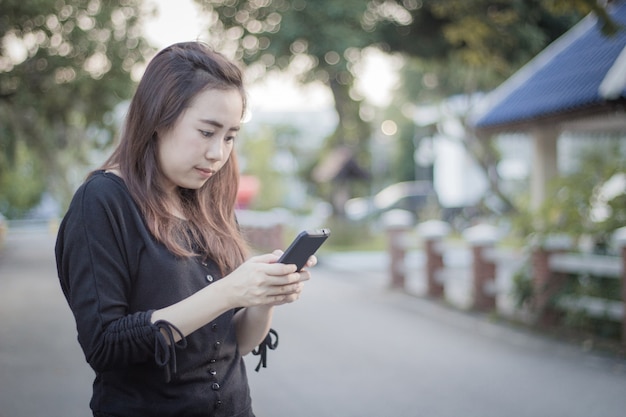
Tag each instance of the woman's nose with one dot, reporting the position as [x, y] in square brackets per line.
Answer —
[215, 149]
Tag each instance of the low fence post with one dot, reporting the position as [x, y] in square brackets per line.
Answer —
[546, 284]
[482, 239]
[264, 230]
[432, 232]
[264, 238]
[397, 224]
[619, 237]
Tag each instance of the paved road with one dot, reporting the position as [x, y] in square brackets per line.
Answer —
[349, 348]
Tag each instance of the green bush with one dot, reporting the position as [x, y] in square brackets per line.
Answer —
[579, 207]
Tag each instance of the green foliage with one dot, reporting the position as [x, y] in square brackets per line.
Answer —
[575, 197]
[575, 321]
[273, 33]
[609, 27]
[281, 157]
[351, 236]
[585, 285]
[22, 186]
[461, 46]
[64, 66]
[522, 290]
[258, 154]
[285, 34]
[573, 208]
[493, 35]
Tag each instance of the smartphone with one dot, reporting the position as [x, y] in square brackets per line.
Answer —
[303, 246]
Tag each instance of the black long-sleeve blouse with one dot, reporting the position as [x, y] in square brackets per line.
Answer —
[114, 274]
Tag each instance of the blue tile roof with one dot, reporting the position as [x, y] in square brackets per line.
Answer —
[563, 77]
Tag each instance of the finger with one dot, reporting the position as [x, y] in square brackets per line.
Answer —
[265, 258]
[312, 261]
[281, 270]
[287, 290]
[287, 300]
[300, 276]
[304, 275]
[286, 295]
[290, 278]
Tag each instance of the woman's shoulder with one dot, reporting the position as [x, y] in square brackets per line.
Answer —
[103, 180]
[103, 186]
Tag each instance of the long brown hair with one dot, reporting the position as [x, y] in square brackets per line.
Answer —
[171, 80]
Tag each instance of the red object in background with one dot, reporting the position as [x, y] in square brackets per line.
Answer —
[248, 189]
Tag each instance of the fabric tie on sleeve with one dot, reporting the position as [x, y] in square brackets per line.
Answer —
[165, 346]
[263, 346]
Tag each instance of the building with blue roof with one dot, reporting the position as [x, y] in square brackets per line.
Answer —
[578, 83]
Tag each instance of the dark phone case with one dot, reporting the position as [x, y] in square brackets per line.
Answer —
[303, 246]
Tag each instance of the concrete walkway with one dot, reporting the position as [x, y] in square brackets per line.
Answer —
[348, 348]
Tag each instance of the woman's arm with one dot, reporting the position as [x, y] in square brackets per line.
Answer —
[193, 312]
[258, 284]
[252, 325]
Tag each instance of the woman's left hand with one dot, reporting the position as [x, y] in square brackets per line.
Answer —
[305, 275]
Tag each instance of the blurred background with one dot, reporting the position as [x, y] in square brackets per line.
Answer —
[434, 138]
[389, 92]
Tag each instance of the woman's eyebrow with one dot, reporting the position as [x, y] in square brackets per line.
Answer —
[218, 124]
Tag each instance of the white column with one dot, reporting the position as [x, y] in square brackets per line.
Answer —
[545, 166]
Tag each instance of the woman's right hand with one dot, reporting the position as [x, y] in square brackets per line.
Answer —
[261, 280]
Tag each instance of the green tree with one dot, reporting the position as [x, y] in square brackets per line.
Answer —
[466, 45]
[323, 39]
[64, 67]
[487, 39]
[318, 40]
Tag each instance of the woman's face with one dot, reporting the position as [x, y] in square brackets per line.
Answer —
[201, 140]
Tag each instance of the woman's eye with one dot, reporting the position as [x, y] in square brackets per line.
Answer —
[230, 138]
[206, 133]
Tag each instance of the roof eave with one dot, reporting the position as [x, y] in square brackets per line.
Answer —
[576, 117]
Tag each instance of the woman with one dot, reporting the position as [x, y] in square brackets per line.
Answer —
[150, 258]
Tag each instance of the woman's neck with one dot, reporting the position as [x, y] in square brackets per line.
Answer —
[174, 205]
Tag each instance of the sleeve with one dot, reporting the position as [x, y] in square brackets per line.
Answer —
[96, 277]
[266, 344]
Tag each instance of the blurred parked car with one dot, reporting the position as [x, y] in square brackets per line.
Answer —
[409, 195]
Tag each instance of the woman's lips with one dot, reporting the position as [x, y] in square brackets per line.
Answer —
[206, 172]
